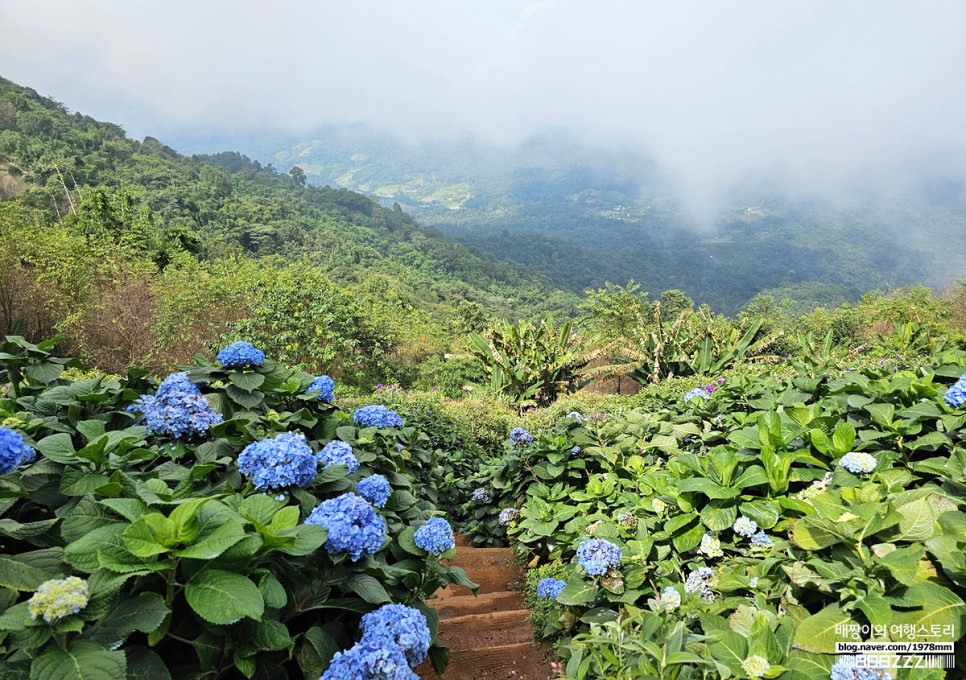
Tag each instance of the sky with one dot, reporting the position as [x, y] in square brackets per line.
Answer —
[810, 91]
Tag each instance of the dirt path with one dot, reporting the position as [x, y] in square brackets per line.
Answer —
[488, 635]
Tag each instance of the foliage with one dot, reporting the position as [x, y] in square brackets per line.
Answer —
[531, 363]
[189, 570]
[877, 545]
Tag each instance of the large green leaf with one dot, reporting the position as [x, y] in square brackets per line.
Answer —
[817, 633]
[368, 588]
[942, 607]
[144, 612]
[81, 661]
[578, 593]
[224, 597]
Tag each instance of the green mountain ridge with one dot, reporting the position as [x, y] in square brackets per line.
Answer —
[583, 216]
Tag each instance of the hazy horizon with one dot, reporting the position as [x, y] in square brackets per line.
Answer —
[814, 93]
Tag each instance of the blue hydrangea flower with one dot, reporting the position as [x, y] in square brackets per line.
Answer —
[176, 383]
[401, 626]
[177, 409]
[326, 387]
[377, 416]
[697, 392]
[507, 515]
[338, 453]
[745, 527]
[520, 436]
[370, 661]
[436, 536]
[241, 354]
[375, 489]
[956, 395]
[13, 451]
[701, 581]
[575, 416]
[670, 599]
[352, 523]
[481, 495]
[859, 667]
[549, 588]
[858, 463]
[761, 539]
[575, 450]
[597, 556]
[278, 463]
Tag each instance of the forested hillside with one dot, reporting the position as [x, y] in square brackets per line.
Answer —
[584, 215]
[98, 227]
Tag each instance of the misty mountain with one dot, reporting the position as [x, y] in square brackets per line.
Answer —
[585, 213]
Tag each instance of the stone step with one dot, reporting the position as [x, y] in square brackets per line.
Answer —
[459, 605]
[482, 557]
[520, 661]
[478, 631]
[496, 579]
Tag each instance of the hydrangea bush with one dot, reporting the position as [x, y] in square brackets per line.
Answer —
[218, 543]
[767, 520]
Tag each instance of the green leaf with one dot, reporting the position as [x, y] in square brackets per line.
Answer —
[249, 400]
[43, 374]
[211, 544]
[817, 633]
[719, 515]
[249, 382]
[918, 521]
[224, 597]
[269, 635]
[58, 448]
[81, 661]
[145, 664]
[407, 541]
[578, 593]
[144, 612]
[705, 486]
[843, 438]
[942, 607]
[368, 588]
[16, 575]
[903, 563]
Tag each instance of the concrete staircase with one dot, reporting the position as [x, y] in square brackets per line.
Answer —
[488, 635]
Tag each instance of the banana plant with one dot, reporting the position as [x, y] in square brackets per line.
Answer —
[531, 364]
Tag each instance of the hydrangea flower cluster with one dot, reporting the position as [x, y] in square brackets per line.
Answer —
[370, 661]
[520, 436]
[436, 536]
[549, 588]
[701, 581]
[858, 463]
[670, 599]
[756, 666]
[338, 453]
[13, 451]
[58, 598]
[761, 539]
[597, 556]
[376, 416]
[859, 667]
[710, 546]
[753, 582]
[745, 527]
[697, 392]
[352, 523]
[325, 386]
[375, 489]
[400, 626]
[508, 515]
[956, 395]
[575, 416]
[279, 462]
[658, 506]
[575, 450]
[627, 520]
[177, 409]
[241, 354]
[481, 495]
